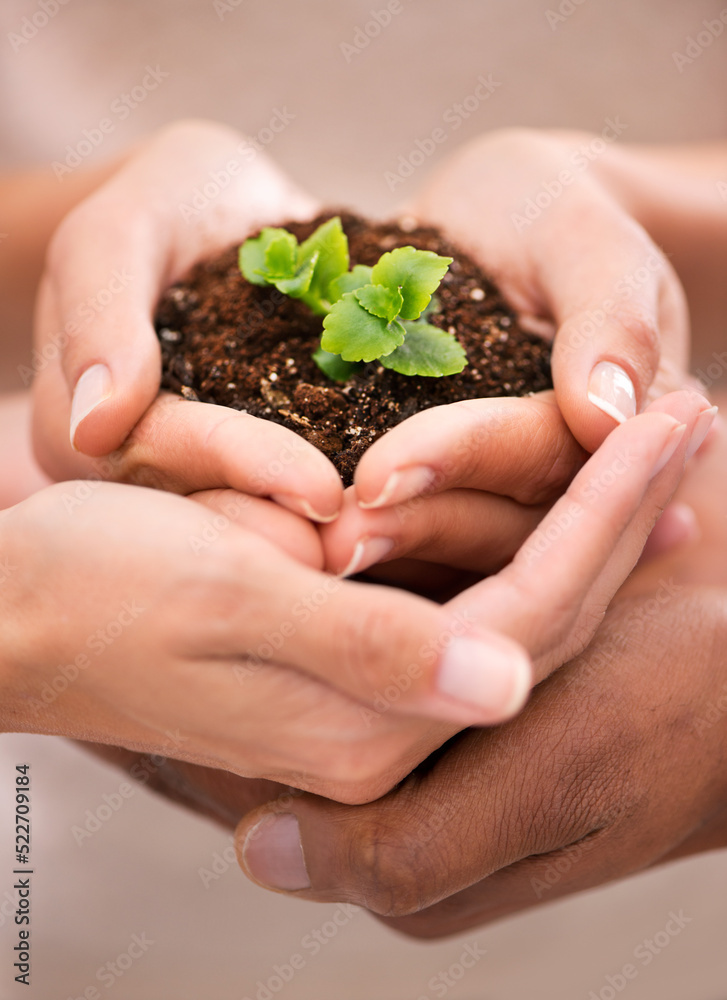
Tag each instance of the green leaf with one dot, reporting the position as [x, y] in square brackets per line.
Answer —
[427, 350]
[356, 335]
[434, 307]
[297, 286]
[416, 273]
[380, 301]
[281, 256]
[351, 281]
[334, 366]
[253, 253]
[329, 245]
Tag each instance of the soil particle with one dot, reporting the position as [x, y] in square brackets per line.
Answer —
[226, 341]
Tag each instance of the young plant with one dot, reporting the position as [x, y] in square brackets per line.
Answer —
[369, 313]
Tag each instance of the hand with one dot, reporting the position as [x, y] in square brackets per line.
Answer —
[268, 667]
[607, 780]
[553, 594]
[97, 356]
[143, 619]
[369, 613]
[460, 486]
[539, 213]
[616, 764]
[595, 780]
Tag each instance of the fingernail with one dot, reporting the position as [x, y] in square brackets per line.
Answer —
[701, 429]
[92, 388]
[273, 853]
[402, 485]
[368, 551]
[493, 679]
[612, 391]
[672, 443]
[299, 505]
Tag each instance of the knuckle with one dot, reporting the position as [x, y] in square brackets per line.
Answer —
[371, 641]
[391, 872]
[640, 327]
[554, 467]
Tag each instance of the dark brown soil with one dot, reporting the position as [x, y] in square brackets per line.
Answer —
[229, 342]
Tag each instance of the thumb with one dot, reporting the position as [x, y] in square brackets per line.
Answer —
[451, 823]
[622, 327]
[112, 256]
[95, 305]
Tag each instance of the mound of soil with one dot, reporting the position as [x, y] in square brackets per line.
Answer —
[229, 342]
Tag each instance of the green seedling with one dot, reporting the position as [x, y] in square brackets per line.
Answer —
[369, 313]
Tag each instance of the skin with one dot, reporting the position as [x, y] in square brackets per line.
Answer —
[616, 764]
[619, 761]
[192, 658]
[33, 204]
[191, 447]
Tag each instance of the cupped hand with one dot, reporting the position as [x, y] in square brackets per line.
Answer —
[461, 485]
[189, 192]
[133, 614]
[539, 212]
[562, 571]
[616, 764]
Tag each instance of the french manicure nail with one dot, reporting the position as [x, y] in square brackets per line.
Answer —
[486, 676]
[671, 445]
[701, 428]
[612, 391]
[402, 485]
[299, 505]
[273, 853]
[367, 552]
[92, 388]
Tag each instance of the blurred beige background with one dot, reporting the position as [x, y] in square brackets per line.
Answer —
[352, 115]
